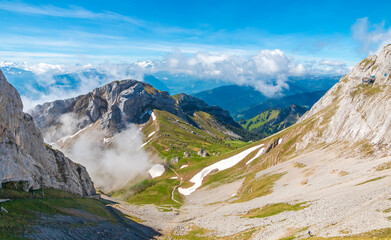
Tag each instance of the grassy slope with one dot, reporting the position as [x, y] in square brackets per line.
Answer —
[274, 209]
[173, 137]
[23, 211]
[260, 120]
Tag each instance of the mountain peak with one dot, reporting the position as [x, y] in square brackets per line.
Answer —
[356, 111]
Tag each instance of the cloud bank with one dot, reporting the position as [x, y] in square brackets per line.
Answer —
[267, 71]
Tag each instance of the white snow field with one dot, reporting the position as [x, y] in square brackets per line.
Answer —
[220, 166]
[256, 156]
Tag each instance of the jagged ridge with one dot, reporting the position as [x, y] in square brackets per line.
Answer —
[26, 162]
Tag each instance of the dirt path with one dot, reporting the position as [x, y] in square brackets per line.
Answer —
[177, 186]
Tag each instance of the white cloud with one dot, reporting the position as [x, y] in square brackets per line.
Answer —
[267, 71]
[371, 37]
[111, 161]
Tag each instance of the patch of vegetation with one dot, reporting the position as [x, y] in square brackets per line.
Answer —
[366, 63]
[383, 166]
[159, 194]
[177, 136]
[371, 180]
[198, 233]
[299, 165]
[381, 234]
[259, 120]
[253, 188]
[365, 148]
[367, 91]
[293, 236]
[23, 212]
[274, 209]
[236, 143]
[388, 210]
[271, 121]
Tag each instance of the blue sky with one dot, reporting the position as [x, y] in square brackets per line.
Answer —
[251, 43]
[122, 31]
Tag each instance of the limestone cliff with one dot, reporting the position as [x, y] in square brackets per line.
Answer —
[26, 162]
[355, 112]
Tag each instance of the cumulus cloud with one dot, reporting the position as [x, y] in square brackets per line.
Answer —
[371, 37]
[267, 71]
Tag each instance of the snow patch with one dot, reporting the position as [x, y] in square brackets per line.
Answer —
[220, 166]
[151, 134]
[183, 166]
[144, 144]
[279, 141]
[153, 116]
[256, 156]
[156, 171]
[174, 178]
[62, 140]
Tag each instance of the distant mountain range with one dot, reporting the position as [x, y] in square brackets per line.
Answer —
[246, 102]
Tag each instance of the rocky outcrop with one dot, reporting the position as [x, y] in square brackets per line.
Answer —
[119, 103]
[175, 160]
[350, 112]
[26, 162]
[203, 153]
[186, 154]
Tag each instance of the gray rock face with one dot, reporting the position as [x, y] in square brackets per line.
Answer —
[119, 103]
[186, 155]
[203, 153]
[26, 162]
[351, 113]
[175, 160]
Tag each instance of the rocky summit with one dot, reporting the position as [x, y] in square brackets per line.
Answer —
[27, 163]
[119, 103]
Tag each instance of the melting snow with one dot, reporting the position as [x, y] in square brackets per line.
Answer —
[184, 166]
[151, 134]
[174, 178]
[144, 144]
[72, 136]
[220, 166]
[256, 156]
[279, 141]
[153, 116]
[156, 171]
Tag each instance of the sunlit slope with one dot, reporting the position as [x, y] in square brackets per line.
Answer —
[350, 120]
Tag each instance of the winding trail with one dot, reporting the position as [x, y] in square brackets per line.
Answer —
[174, 188]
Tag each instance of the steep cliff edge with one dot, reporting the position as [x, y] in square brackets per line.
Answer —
[26, 162]
[353, 112]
